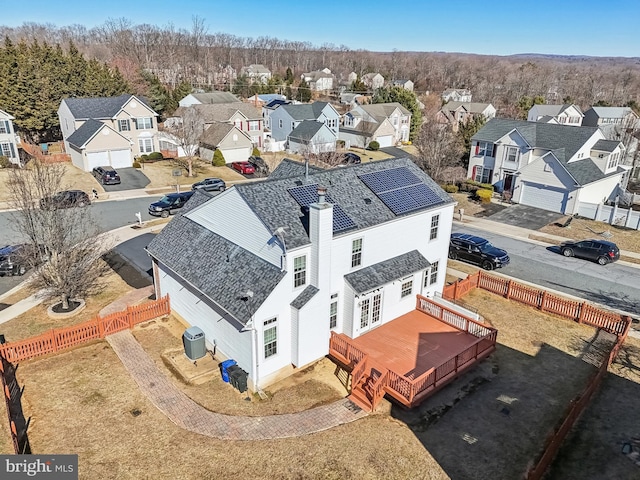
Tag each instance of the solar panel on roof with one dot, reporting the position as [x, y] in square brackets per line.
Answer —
[400, 190]
[308, 194]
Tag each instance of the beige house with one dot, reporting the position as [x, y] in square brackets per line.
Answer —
[454, 113]
[358, 132]
[234, 144]
[127, 115]
[378, 115]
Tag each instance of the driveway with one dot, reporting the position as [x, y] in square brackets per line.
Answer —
[396, 152]
[130, 179]
[526, 217]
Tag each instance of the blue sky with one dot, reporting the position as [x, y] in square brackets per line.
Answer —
[500, 27]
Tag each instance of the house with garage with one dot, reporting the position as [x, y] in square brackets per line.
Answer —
[208, 98]
[234, 144]
[311, 136]
[548, 166]
[9, 141]
[454, 113]
[286, 118]
[386, 123]
[560, 114]
[126, 117]
[272, 269]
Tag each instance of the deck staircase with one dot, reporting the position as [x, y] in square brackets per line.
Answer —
[362, 393]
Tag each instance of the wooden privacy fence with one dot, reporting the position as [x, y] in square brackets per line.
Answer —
[53, 155]
[580, 312]
[63, 338]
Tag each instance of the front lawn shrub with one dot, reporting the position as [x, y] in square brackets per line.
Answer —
[484, 195]
[256, 152]
[374, 145]
[218, 159]
[136, 164]
[450, 188]
[143, 158]
[155, 156]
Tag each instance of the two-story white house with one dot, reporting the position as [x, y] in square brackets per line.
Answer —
[319, 80]
[286, 118]
[373, 81]
[8, 139]
[545, 165]
[271, 268]
[457, 95]
[559, 114]
[107, 131]
[257, 73]
[386, 123]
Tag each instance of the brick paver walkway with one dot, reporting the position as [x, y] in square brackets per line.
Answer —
[187, 414]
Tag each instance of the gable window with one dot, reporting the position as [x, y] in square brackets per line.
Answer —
[406, 289]
[144, 123]
[124, 125]
[333, 311]
[613, 160]
[146, 145]
[299, 271]
[270, 338]
[435, 221]
[431, 275]
[485, 149]
[356, 253]
[280, 123]
[512, 154]
[332, 123]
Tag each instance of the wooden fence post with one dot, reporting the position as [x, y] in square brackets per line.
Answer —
[455, 289]
[54, 343]
[100, 326]
[543, 300]
[508, 289]
[583, 308]
[130, 316]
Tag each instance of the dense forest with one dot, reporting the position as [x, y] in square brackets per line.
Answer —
[156, 61]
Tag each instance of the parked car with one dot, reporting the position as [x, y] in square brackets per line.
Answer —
[259, 165]
[210, 185]
[600, 251]
[351, 158]
[477, 250]
[168, 204]
[106, 175]
[65, 199]
[243, 167]
[12, 260]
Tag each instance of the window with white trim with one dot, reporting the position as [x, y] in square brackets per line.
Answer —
[356, 253]
[299, 271]
[333, 311]
[254, 126]
[485, 149]
[144, 123]
[124, 125]
[613, 160]
[6, 150]
[512, 154]
[4, 126]
[433, 273]
[407, 288]
[435, 222]
[270, 337]
[145, 145]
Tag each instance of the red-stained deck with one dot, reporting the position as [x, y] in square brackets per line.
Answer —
[412, 356]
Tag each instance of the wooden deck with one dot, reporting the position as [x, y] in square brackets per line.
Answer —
[412, 356]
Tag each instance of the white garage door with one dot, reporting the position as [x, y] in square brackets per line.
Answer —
[97, 159]
[236, 154]
[547, 198]
[385, 141]
[120, 158]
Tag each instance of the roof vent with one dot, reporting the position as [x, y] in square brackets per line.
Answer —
[322, 192]
[367, 201]
[298, 182]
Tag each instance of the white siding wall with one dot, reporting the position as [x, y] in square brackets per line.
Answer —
[231, 217]
[599, 191]
[555, 175]
[67, 124]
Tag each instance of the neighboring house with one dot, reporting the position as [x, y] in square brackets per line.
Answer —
[126, 116]
[319, 80]
[603, 116]
[208, 98]
[272, 268]
[373, 81]
[286, 118]
[257, 73]
[549, 166]
[234, 144]
[365, 123]
[352, 77]
[455, 112]
[268, 109]
[8, 139]
[260, 101]
[406, 84]
[560, 114]
[456, 95]
[311, 136]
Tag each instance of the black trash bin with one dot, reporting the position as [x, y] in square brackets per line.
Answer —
[238, 378]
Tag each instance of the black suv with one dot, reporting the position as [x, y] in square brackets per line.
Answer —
[478, 250]
[65, 199]
[12, 261]
[259, 165]
[600, 251]
[210, 185]
[168, 204]
[106, 175]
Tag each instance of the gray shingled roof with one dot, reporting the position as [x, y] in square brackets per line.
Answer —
[84, 133]
[305, 111]
[563, 140]
[219, 269]
[306, 130]
[606, 145]
[471, 107]
[99, 108]
[216, 132]
[553, 110]
[220, 112]
[382, 110]
[306, 295]
[368, 278]
[215, 97]
[612, 112]
[290, 168]
[273, 204]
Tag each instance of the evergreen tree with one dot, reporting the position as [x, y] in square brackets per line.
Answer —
[358, 86]
[407, 99]
[304, 92]
[466, 130]
[288, 77]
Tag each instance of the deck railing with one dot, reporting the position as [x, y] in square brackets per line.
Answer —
[580, 312]
[59, 339]
[411, 391]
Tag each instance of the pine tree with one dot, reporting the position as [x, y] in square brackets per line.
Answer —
[304, 92]
[407, 99]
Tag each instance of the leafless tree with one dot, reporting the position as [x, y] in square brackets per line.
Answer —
[438, 149]
[68, 238]
[186, 131]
